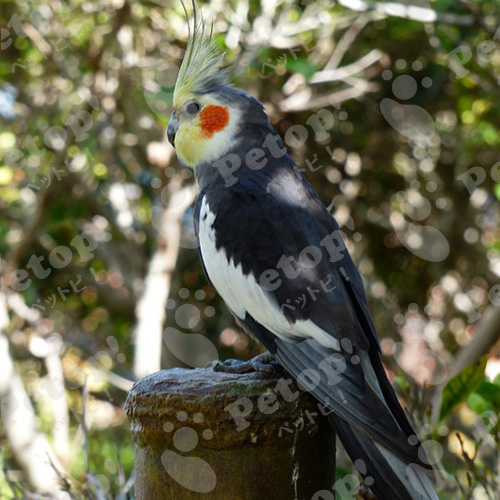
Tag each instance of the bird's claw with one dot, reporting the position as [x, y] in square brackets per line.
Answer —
[263, 363]
[232, 366]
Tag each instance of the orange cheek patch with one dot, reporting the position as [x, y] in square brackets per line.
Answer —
[213, 119]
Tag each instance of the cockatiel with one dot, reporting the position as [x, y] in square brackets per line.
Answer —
[265, 239]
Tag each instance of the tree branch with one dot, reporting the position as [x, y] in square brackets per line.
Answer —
[29, 446]
[150, 309]
[487, 334]
[410, 12]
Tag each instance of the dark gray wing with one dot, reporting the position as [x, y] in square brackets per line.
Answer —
[283, 217]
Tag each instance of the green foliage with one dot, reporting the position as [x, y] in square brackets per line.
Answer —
[485, 397]
[460, 387]
[381, 183]
[302, 66]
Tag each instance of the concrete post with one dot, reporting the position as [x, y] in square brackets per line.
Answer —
[200, 434]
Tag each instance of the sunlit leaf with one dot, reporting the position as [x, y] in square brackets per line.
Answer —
[7, 141]
[6, 175]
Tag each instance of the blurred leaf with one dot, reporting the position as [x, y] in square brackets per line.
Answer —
[490, 392]
[489, 134]
[460, 386]
[496, 189]
[9, 195]
[477, 403]
[6, 175]
[403, 383]
[302, 66]
[7, 141]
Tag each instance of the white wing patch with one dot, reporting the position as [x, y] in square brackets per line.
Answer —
[243, 294]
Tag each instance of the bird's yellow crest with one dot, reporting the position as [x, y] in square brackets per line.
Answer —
[200, 70]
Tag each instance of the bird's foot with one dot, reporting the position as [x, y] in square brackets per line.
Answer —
[365, 493]
[263, 363]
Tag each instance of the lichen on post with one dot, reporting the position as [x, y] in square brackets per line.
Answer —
[204, 434]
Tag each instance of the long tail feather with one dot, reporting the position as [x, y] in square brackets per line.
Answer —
[388, 477]
[368, 420]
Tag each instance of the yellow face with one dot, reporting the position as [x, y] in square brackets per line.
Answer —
[201, 128]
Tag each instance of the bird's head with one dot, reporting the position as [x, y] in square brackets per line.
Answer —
[204, 119]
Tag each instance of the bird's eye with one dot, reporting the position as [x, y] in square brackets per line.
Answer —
[193, 108]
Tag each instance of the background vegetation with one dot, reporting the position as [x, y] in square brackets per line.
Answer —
[101, 281]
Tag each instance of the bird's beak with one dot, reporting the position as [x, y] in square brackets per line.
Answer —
[173, 126]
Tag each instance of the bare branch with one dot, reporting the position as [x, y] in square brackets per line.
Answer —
[348, 39]
[304, 100]
[411, 12]
[126, 487]
[29, 446]
[151, 306]
[487, 334]
[83, 424]
[60, 429]
[335, 74]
